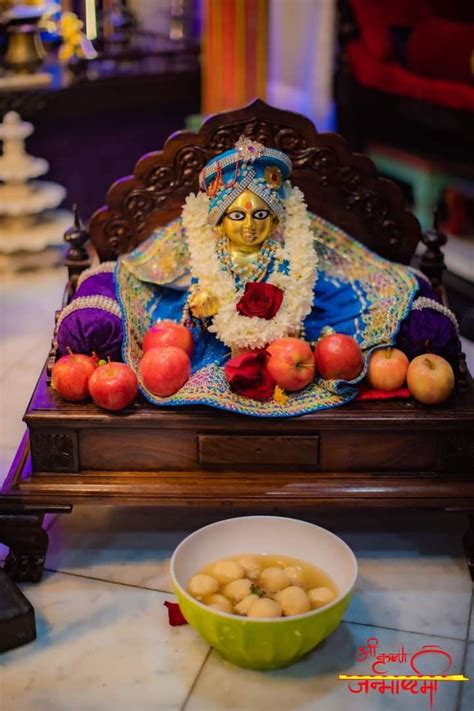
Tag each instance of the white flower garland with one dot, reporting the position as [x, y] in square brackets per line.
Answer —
[233, 329]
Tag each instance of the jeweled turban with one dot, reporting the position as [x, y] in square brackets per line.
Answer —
[247, 166]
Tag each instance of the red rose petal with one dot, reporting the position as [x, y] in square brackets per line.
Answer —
[175, 616]
[366, 393]
[260, 300]
[247, 376]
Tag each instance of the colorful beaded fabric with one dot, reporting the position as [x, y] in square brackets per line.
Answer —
[162, 259]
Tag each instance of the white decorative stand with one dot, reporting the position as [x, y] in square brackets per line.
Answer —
[31, 229]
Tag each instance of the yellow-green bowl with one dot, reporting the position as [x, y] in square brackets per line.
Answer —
[265, 643]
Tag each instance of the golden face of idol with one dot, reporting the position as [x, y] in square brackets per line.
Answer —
[247, 222]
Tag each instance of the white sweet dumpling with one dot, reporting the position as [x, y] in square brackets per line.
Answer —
[243, 607]
[264, 607]
[243, 585]
[320, 596]
[293, 601]
[200, 586]
[219, 602]
[274, 579]
[225, 571]
[251, 564]
[296, 575]
[238, 589]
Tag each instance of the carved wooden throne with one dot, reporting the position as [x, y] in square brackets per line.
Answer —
[386, 454]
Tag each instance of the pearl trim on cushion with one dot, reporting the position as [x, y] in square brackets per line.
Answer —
[104, 267]
[105, 303]
[423, 302]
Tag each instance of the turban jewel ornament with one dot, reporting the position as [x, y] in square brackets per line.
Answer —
[247, 166]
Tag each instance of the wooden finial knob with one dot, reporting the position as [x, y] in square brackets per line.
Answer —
[76, 236]
[432, 261]
[77, 257]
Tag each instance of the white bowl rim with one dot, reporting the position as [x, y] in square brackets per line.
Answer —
[257, 620]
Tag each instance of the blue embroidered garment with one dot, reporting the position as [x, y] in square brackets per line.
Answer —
[356, 292]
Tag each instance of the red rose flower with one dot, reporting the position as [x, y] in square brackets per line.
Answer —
[247, 375]
[260, 300]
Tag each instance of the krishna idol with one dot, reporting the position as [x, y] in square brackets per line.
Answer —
[255, 280]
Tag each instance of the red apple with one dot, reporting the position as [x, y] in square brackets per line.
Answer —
[165, 370]
[338, 357]
[290, 363]
[387, 369]
[430, 379]
[113, 386]
[168, 333]
[71, 375]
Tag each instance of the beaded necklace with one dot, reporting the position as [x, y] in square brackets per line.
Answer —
[249, 272]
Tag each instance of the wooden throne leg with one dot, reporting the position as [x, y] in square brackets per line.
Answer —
[468, 541]
[28, 544]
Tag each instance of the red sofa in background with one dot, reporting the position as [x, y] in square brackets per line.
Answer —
[418, 48]
[405, 75]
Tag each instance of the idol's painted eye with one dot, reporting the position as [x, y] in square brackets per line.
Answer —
[261, 214]
[236, 215]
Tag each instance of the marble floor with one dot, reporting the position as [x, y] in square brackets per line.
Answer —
[104, 642]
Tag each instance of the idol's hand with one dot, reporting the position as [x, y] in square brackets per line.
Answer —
[203, 304]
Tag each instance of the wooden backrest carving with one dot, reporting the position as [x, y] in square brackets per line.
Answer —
[340, 186]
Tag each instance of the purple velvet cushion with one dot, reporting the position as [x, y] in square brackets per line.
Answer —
[429, 327]
[427, 331]
[92, 321]
[90, 330]
[101, 284]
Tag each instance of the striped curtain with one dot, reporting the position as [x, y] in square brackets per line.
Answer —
[234, 69]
